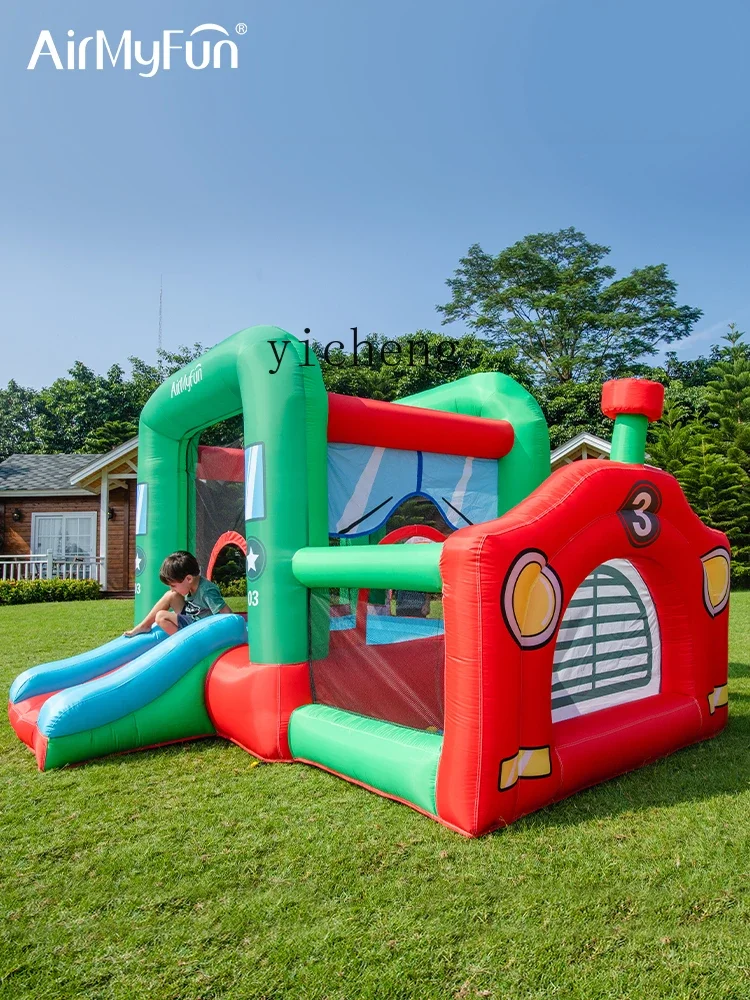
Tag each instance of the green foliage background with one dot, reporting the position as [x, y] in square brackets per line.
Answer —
[547, 311]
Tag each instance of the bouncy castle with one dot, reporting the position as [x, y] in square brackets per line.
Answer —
[430, 613]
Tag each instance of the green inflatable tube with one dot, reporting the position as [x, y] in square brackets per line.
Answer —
[393, 759]
[629, 438]
[403, 567]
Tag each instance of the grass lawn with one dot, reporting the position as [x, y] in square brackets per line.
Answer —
[187, 872]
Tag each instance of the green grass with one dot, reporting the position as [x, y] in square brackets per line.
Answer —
[188, 873]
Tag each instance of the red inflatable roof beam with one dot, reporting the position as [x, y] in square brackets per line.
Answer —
[632, 395]
[352, 420]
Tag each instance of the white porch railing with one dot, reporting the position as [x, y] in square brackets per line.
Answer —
[46, 567]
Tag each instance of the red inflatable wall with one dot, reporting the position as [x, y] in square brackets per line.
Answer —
[502, 755]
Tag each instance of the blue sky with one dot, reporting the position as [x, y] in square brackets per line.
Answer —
[337, 176]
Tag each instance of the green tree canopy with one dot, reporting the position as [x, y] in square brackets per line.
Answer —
[423, 359]
[703, 440]
[72, 408]
[674, 439]
[551, 297]
[693, 373]
[572, 407]
[17, 413]
[109, 436]
[728, 398]
[718, 490]
[83, 412]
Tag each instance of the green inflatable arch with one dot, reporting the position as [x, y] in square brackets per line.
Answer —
[285, 415]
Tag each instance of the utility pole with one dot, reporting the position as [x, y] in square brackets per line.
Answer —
[161, 304]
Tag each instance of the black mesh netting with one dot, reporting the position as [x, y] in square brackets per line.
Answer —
[379, 654]
[219, 504]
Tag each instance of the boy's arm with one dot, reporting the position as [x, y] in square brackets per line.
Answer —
[176, 602]
[215, 601]
[171, 600]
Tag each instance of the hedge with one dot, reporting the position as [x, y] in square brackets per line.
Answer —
[234, 588]
[39, 591]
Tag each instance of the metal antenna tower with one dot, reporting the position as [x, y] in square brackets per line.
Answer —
[161, 303]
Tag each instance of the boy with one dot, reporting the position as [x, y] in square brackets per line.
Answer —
[190, 597]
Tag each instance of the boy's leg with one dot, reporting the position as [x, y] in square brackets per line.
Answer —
[168, 621]
[170, 599]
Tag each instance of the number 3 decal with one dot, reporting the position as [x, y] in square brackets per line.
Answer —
[638, 514]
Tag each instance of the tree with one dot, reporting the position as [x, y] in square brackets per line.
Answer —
[718, 490]
[85, 412]
[412, 363]
[552, 299]
[674, 438]
[692, 373]
[572, 407]
[229, 566]
[728, 397]
[74, 407]
[110, 435]
[18, 409]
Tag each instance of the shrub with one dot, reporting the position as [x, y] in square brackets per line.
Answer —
[40, 591]
[234, 588]
[230, 566]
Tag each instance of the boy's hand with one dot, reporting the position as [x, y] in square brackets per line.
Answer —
[138, 630]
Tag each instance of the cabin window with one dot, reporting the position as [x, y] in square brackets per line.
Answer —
[66, 536]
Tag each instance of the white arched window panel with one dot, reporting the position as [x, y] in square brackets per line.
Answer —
[608, 649]
[465, 489]
[366, 484]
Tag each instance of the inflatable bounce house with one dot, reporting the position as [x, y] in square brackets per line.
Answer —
[430, 613]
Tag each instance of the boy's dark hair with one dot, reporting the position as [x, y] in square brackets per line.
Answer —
[176, 567]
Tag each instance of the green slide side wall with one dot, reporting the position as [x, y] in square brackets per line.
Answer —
[285, 408]
[494, 395]
[178, 714]
[395, 760]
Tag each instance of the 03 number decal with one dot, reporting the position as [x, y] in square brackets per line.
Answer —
[252, 598]
[639, 514]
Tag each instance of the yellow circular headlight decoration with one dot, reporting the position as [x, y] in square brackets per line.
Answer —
[531, 599]
[715, 580]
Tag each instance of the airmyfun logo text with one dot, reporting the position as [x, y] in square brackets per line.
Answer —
[97, 51]
[186, 382]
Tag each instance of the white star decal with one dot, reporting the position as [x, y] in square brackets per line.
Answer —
[137, 563]
[252, 558]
